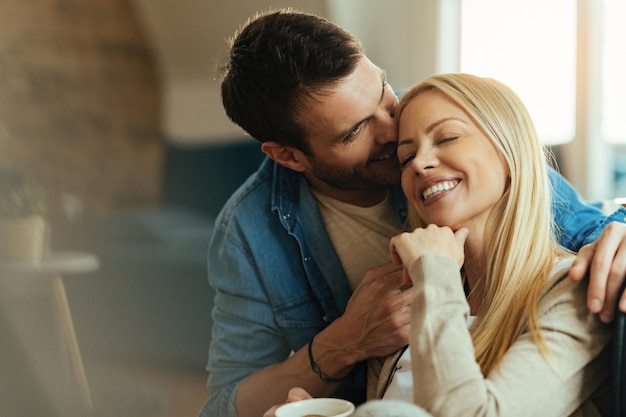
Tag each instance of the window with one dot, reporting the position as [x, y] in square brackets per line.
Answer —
[613, 70]
[516, 42]
[614, 89]
[545, 51]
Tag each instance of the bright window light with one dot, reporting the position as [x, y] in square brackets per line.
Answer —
[613, 70]
[529, 45]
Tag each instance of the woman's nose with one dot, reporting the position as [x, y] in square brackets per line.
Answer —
[424, 160]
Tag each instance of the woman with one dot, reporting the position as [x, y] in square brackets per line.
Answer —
[485, 247]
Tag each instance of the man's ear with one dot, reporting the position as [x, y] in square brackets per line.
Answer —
[286, 156]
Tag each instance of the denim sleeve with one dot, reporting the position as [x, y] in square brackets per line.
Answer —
[245, 336]
[578, 223]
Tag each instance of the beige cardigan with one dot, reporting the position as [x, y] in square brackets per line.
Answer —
[447, 381]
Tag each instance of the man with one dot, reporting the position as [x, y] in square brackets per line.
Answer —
[299, 259]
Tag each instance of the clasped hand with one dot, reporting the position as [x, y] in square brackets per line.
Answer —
[407, 247]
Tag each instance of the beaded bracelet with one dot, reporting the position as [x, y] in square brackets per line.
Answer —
[316, 368]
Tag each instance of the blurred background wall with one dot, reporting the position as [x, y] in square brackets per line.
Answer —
[80, 103]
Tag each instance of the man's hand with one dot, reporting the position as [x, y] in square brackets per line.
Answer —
[375, 323]
[605, 262]
[376, 320]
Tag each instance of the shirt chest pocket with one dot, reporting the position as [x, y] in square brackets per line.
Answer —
[301, 313]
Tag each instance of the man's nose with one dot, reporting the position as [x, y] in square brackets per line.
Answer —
[388, 128]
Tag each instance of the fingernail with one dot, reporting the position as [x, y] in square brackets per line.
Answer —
[595, 305]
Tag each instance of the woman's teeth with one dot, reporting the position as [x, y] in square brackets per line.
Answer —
[438, 188]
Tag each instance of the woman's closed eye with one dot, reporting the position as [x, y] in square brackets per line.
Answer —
[446, 139]
[406, 159]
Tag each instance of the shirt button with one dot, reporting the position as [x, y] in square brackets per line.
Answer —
[326, 319]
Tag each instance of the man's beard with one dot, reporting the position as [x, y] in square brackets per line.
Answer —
[354, 179]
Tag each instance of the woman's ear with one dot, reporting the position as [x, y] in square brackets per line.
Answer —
[286, 156]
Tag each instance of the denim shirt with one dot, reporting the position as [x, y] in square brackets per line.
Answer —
[279, 282]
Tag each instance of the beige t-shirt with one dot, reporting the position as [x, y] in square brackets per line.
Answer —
[360, 235]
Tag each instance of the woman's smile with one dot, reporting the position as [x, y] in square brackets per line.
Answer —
[430, 192]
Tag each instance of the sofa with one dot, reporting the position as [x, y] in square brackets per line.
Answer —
[150, 301]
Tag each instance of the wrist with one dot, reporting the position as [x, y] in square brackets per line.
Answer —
[327, 361]
[316, 368]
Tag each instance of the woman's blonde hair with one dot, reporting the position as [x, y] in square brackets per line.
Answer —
[521, 246]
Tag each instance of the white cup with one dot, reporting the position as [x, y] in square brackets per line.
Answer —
[326, 407]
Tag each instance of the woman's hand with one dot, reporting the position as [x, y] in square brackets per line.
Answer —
[407, 247]
[295, 394]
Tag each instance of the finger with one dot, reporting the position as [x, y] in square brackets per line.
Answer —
[461, 235]
[601, 264]
[385, 270]
[395, 277]
[393, 251]
[579, 270]
[592, 261]
[374, 285]
[615, 283]
[581, 264]
[604, 281]
[407, 281]
[297, 394]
